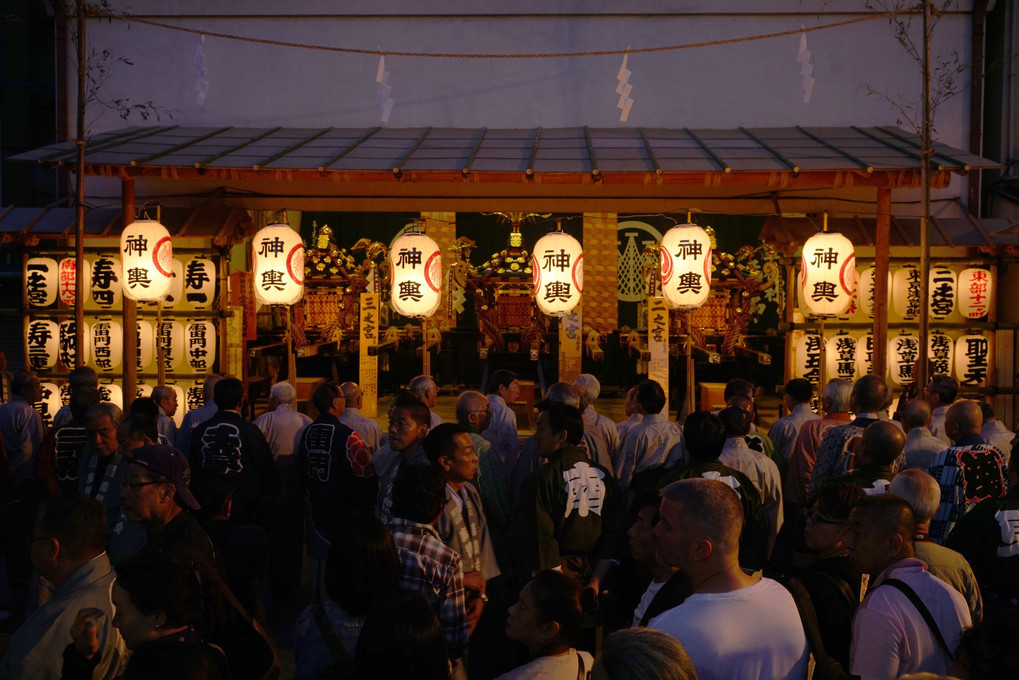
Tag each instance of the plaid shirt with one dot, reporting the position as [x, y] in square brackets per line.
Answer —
[430, 567]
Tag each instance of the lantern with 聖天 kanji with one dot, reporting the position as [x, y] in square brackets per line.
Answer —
[41, 278]
[902, 355]
[841, 357]
[906, 293]
[107, 346]
[975, 288]
[557, 269]
[147, 258]
[176, 292]
[42, 340]
[171, 339]
[865, 354]
[808, 357]
[200, 282]
[49, 403]
[146, 351]
[67, 281]
[942, 291]
[106, 275]
[111, 393]
[278, 256]
[686, 266]
[827, 274]
[200, 346]
[941, 353]
[416, 280]
[68, 344]
[972, 360]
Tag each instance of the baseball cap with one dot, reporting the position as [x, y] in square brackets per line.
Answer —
[170, 463]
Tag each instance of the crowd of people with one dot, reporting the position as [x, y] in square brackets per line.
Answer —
[839, 543]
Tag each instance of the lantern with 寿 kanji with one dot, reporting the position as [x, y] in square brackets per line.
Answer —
[68, 346]
[41, 279]
[808, 357]
[200, 346]
[972, 360]
[840, 352]
[975, 288]
[902, 355]
[828, 274]
[942, 292]
[686, 266]
[200, 282]
[278, 256]
[557, 269]
[416, 275]
[42, 340]
[147, 260]
[906, 293]
[106, 277]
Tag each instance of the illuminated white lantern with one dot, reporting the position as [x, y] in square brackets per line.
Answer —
[41, 281]
[146, 353]
[147, 257]
[808, 357]
[972, 359]
[176, 292]
[106, 273]
[111, 393]
[865, 354]
[200, 282]
[975, 288]
[278, 256]
[107, 346]
[906, 293]
[65, 394]
[68, 350]
[686, 266]
[194, 397]
[143, 390]
[67, 282]
[42, 340]
[942, 291]
[416, 267]
[558, 273]
[866, 292]
[941, 352]
[49, 404]
[902, 355]
[840, 353]
[200, 346]
[178, 415]
[828, 274]
[854, 301]
[171, 338]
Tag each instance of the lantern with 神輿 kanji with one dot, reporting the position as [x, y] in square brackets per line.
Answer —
[902, 354]
[67, 279]
[808, 357]
[147, 260]
[942, 291]
[107, 346]
[42, 340]
[975, 288]
[41, 278]
[68, 343]
[106, 273]
[557, 267]
[840, 352]
[200, 282]
[972, 360]
[416, 280]
[865, 354]
[906, 293]
[278, 255]
[941, 353]
[827, 274]
[200, 346]
[686, 266]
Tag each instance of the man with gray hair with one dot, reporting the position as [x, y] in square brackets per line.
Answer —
[921, 445]
[472, 411]
[633, 414]
[835, 406]
[601, 429]
[923, 495]
[193, 419]
[282, 423]
[425, 389]
[166, 400]
[368, 429]
[940, 393]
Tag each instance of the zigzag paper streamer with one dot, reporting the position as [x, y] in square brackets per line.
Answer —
[201, 84]
[623, 89]
[384, 90]
[806, 68]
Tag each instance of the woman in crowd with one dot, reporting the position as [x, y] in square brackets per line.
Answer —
[545, 619]
[643, 654]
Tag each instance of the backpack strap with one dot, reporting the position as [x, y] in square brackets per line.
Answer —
[924, 612]
[581, 666]
[332, 640]
[841, 584]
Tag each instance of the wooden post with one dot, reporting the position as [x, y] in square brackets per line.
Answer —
[130, 325]
[882, 242]
[426, 354]
[160, 349]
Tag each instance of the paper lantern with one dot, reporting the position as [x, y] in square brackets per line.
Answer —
[558, 273]
[866, 290]
[194, 397]
[416, 267]
[841, 357]
[176, 292]
[106, 275]
[906, 293]
[67, 281]
[178, 415]
[975, 287]
[854, 300]
[200, 282]
[808, 357]
[902, 355]
[200, 346]
[143, 390]
[42, 340]
[972, 359]
[41, 281]
[942, 291]
[111, 393]
[68, 351]
[107, 346]
[147, 257]
[686, 266]
[278, 256]
[941, 352]
[146, 352]
[49, 403]
[828, 273]
[171, 338]
[865, 354]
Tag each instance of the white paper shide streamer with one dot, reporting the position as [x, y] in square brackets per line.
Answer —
[623, 89]
[201, 84]
[806, 68]
[384, 90]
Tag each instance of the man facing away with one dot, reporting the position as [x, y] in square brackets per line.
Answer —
[656, 442]
[881, 445]
[196, 417]
[633, 415]
[734, 626]
[366, 428]
[940, 393]
[921, 445]
[282, 423]
[599, 429]
[424, 388]
[891, 636]
[797, 396]
[166, 400]
[993, 432]
[835, 405]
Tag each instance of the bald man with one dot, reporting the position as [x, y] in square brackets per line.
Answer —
[368, 428]
[921, 445]
[969, 472]
[882, 443]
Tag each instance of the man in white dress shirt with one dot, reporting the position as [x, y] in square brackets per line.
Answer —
[633, 414]
[921, 445]
[601, 429]
[797, 396]
[656, 442]
[425, 389]
[368, 428]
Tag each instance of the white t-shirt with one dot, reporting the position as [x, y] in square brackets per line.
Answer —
[645, 601]
[563, 667]
[753, 633]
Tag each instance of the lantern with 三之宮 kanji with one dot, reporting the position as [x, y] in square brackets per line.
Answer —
[865, 354]
[147, 259]
[42, 341]
[828, 274]
[68, 350]
[941, 353]
[200, 282]
[106, 274]
[840, 352]
[808, 357]
[975, 287]
[902, 355]
[278, 256]
[942, 290]
[416, 266]
[67, 282]
[686, 266]
[41, 281]
[557, 269]
[906, 293]
[200, 346]
[972, 360]
[107, 346]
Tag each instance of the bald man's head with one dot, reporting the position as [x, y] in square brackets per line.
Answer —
[882, 443]
[870, 394]
[916, 413]
[963, 418]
